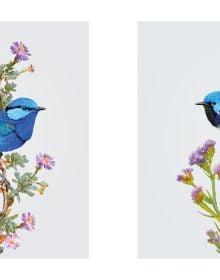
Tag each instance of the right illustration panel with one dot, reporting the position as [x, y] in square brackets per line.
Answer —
[179, 139]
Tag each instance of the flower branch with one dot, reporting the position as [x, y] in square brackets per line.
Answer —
[203, 158]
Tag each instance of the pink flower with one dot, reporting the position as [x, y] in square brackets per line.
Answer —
[12, 241]
[44, 160]
[28, 221]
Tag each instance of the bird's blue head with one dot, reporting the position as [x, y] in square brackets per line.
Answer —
[211, 104]
[22, 107]
[213, 100]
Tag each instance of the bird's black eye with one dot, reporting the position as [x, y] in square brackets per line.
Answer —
[24, 107]
[212, 103]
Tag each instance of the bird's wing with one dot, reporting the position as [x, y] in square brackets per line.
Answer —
[6, 128]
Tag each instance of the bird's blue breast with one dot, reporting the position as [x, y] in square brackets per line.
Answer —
[24, 127]
[14, 133]
[10, 142]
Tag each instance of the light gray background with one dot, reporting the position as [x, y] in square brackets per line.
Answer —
[60, 83]
[179, 63]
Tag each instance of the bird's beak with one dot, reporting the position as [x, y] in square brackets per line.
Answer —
[40, 108]
[202, 103]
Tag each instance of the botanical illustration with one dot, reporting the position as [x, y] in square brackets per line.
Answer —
[17, 119]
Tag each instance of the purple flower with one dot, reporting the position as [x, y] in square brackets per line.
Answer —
[205, 147]
[196, 158]
[211, 233]
[202, 153]
[208, 144]
[12, 241]
[20, 50]
[44, 160]
[28, 221]
[214, 237]
[216, 170]
[186, 177]
[197, 195]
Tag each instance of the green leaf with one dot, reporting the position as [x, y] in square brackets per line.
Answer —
[10, 87]
[18, 198]
[13, 217]
[29, 193]
[15, 159]
[2, 67]
[11, 75]
[209, 216]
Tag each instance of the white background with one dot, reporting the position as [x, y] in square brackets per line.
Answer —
[113, 138]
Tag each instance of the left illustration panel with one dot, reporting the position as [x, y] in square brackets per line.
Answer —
[44, 140]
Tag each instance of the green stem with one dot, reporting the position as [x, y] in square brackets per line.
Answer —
[215, 205]
[206, 208]
[35, 172]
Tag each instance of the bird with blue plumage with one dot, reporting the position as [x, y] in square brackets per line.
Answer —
[211, 104]
[17, 117]
[17, 123]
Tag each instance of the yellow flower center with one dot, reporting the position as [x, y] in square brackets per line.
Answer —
[46, 159]
[30, 220]
[199, 196]
[13, 241]
[21, 48]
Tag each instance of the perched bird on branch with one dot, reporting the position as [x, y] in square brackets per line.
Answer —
[17, 123]
[211, 104]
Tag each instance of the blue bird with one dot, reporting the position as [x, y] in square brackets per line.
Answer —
[17, 123]
[211, 105]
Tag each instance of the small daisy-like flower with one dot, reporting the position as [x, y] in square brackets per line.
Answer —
[186, 177]
[28, 221]
[196, 158]
[44, 160]
[12, 241]
[20, 50]
[197, 195]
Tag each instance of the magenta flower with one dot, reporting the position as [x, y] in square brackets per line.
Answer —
[28, 221]
[20, 50]
[44, 160]
[197, 195]
[12, 241]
